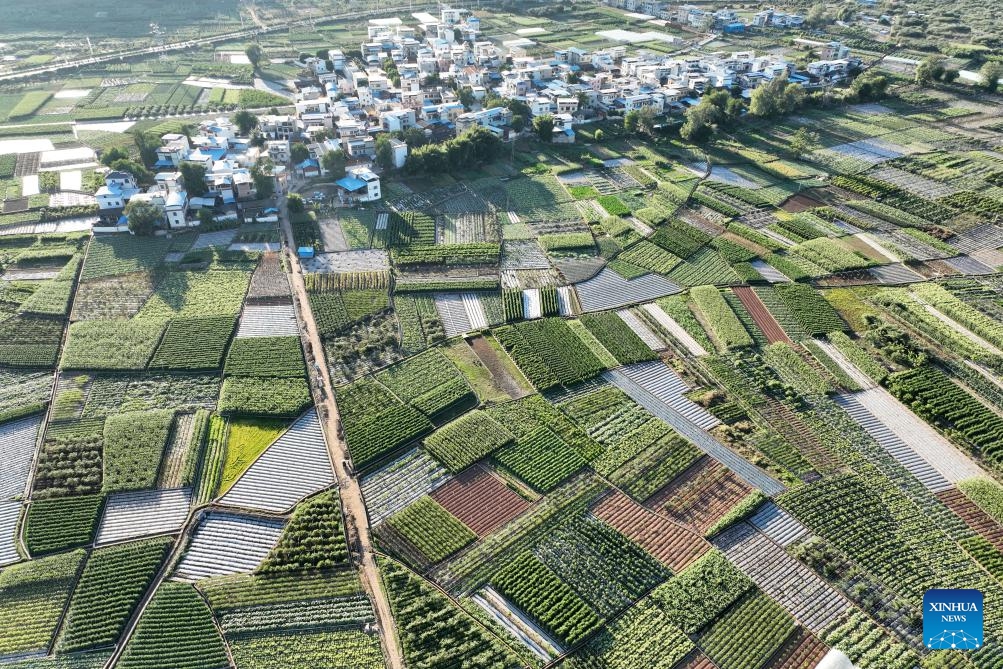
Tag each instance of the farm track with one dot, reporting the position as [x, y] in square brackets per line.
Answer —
[352, 504]
[761, 315]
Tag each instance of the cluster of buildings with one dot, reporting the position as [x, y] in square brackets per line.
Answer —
[701, 18]
[413, 77]
[436, 79]
[226, 161]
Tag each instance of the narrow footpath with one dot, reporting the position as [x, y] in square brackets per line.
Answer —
[356, 518]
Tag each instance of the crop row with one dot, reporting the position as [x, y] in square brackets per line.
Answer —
[549, 352]
[266, 357]
[467, 439]
[534, 588]
[749, 634]
[726, 326]
[194, 343]
[312, 540]
[431, 529]
[112, 583]
[816, 316]
[377, 423]
[606, 569]
[434, 633]
[58, 523]
[176, 630]
[617, 338]
[931, 394]
[429, 381]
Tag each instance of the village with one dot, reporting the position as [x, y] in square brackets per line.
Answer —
[355, 117]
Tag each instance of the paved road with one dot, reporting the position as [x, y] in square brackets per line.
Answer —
[356, 518]
[215, 39]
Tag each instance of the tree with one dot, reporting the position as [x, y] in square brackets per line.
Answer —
[630, 121]
[457, 35]
[113, 154]
[246, 121]
[322, 54]
[264, 182]
[700, 123]
[599, 136]
[194, 176]
[144, 217]
[415, 137]
[776, 98]
[295, 203]
[384, 152]
[518, 122]
[466, 95]
[254, 54]
[930, 69]
[870, 86]
[990, 75]
[335, 162]
[817, 16]
[544, 127]
[205, 218]
[143, 175]
[803, 141]
[646, 119]
[950, 75]
[765, 100]
[298, 152]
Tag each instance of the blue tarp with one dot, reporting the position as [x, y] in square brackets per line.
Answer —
[351, 183]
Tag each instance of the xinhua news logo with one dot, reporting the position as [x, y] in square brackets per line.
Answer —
[952, 619]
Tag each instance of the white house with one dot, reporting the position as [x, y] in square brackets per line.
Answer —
[361, 184]
[399, 152]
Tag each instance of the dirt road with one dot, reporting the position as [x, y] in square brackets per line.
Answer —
[351, 493]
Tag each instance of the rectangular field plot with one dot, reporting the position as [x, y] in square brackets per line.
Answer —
[909, 439]
[136, 514]
[227, 543]
[671, 543]
[812, 601]
[294, 466]
[480, 500]
[17, 448]
[268, 321]
[9, 514]
[609, 290]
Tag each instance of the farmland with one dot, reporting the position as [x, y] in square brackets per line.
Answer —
[660, 393]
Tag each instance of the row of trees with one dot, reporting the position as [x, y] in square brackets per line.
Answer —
[474, 147]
